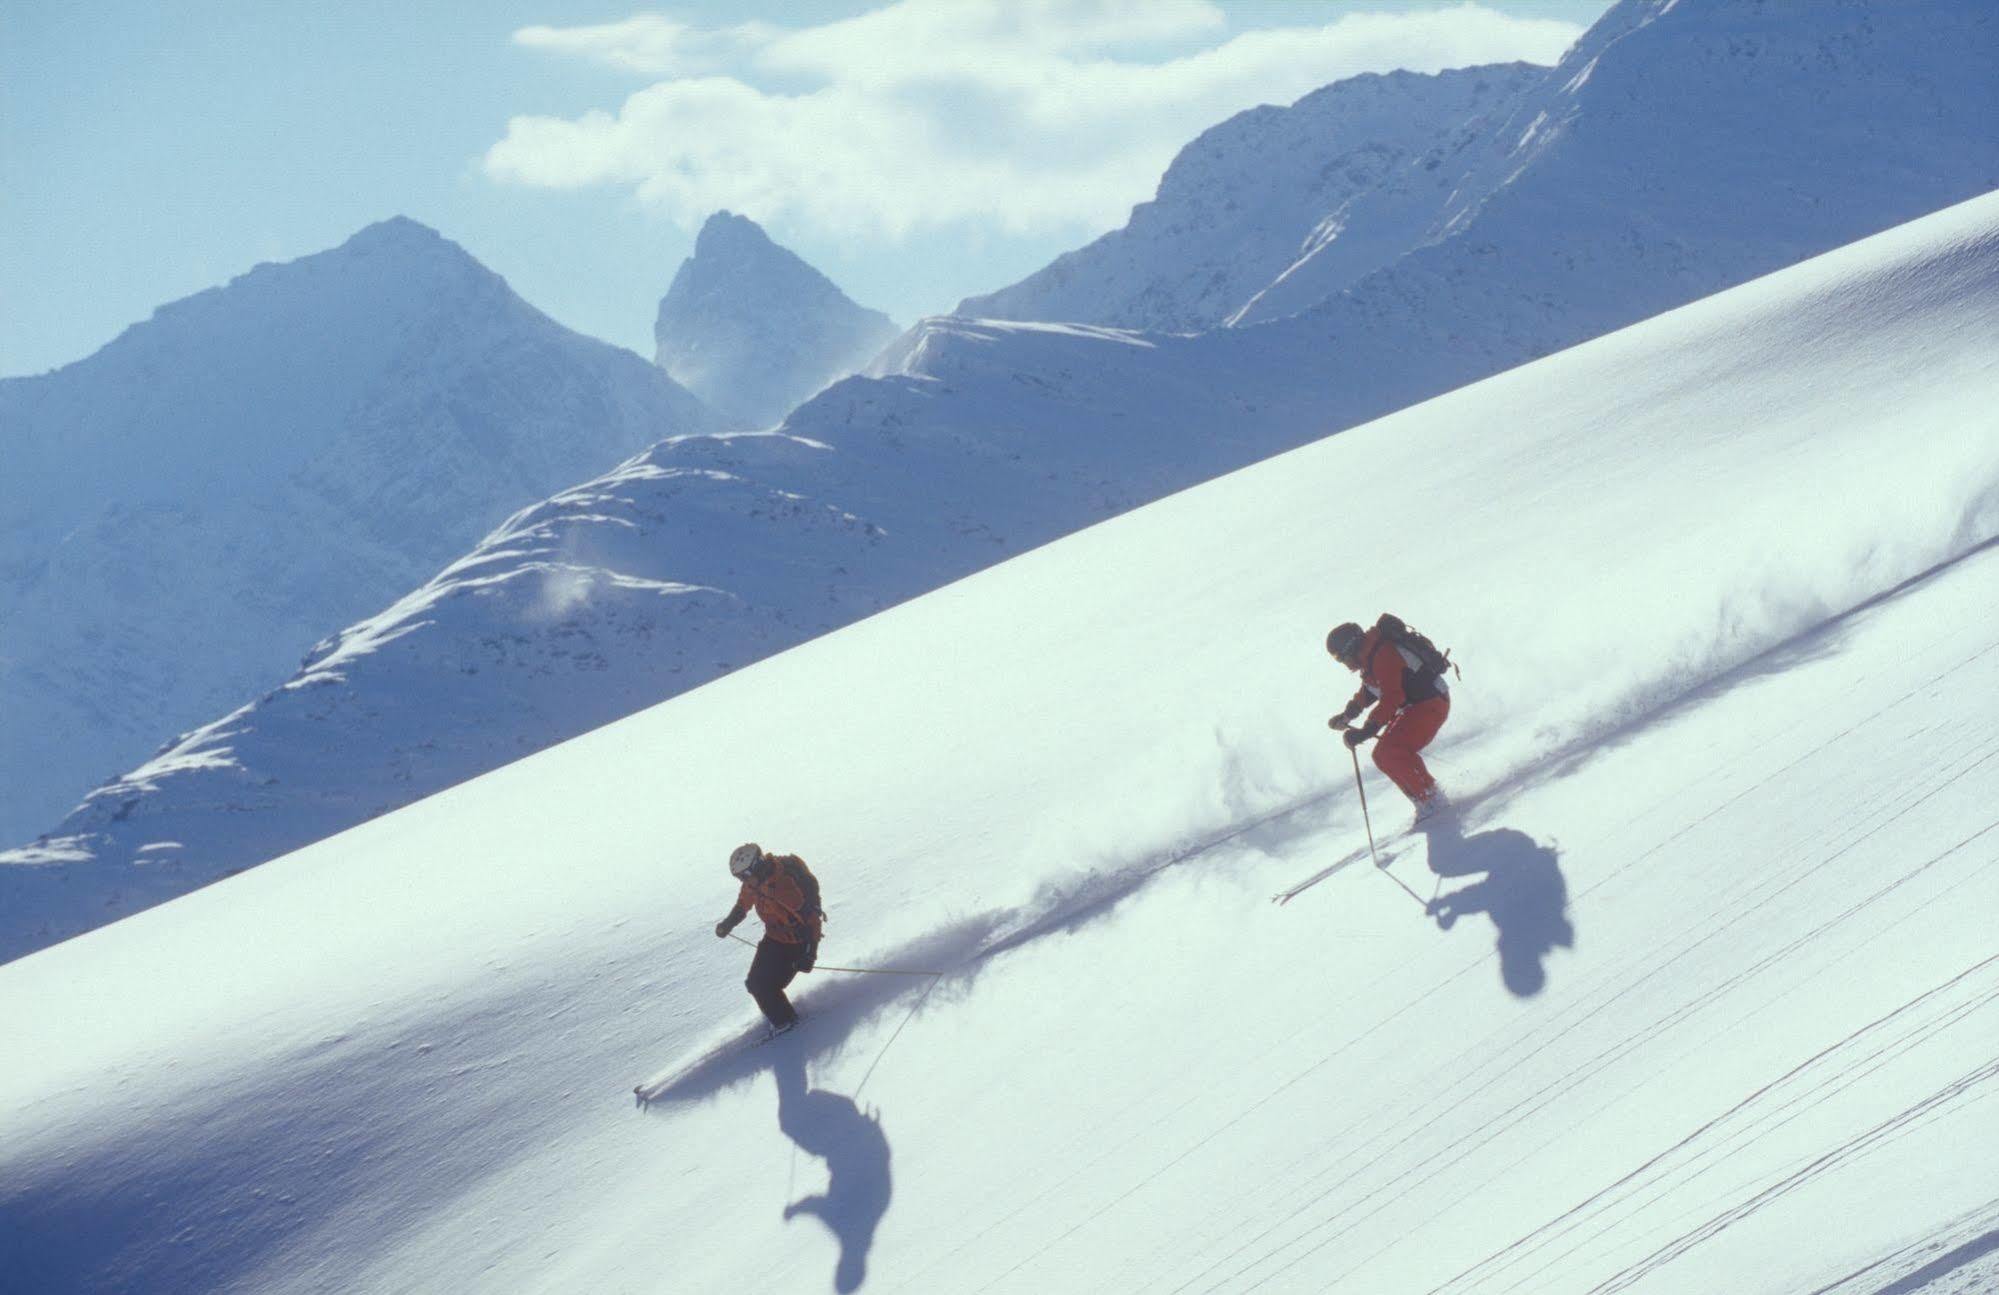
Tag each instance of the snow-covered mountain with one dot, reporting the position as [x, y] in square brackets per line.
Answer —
[1794, 128]
[187, 511]
[1705, 1001]
[1680, 147]
[695, 558]
[753, 330]
[1243, 202]
[978, 442]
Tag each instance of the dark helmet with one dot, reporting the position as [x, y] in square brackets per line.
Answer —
[1344, 642]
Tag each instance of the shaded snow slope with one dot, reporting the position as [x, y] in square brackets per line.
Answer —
[1714, 1009]
[753, 330]
[707, 553]
[184, 513]
[1249, 197]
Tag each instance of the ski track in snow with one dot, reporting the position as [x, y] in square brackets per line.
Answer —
[1859, 1053]
[1921, 1019]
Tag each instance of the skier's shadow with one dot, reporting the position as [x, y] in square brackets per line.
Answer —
[1523, 892]
[831, 1127]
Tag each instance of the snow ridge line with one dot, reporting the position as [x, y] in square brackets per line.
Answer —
[1980, 1232]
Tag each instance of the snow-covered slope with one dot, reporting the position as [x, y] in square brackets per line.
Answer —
[1247, 198]
[980, 441]
[187, 511]
[753, 330]
[1714, 1011]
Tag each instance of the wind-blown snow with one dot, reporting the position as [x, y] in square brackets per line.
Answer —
[753, 330]
[1714, 1010]
[186, 512]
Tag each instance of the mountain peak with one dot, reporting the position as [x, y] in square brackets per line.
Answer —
[1246, 197]
[397, 229]
[283, 453]
[752, 329]
[399, 234]
[725, 233]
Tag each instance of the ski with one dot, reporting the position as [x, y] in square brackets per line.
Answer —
[1283, 897]
[1388, 858]
[747, 1040]
[1390, 848]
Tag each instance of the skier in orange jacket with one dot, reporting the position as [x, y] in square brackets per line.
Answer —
[1411, 701]
[785, 895]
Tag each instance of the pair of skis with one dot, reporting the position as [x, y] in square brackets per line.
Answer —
[1382, 860]
[715, 1057]
[1285, 896]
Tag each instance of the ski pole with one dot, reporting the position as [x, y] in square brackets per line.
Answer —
[863, 971]
[1362, 789]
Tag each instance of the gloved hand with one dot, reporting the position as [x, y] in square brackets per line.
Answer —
[808, 955]
[723, 927]
[1355, 736]
[1338, 721]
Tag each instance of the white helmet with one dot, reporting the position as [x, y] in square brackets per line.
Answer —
[745, 857]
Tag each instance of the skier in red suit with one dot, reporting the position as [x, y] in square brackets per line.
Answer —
[1411, 701]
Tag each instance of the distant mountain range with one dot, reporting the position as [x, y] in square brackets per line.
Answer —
[186, 512]
[1678, 149]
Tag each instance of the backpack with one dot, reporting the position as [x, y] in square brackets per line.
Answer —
[1434, 662]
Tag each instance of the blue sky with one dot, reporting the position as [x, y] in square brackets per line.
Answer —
[916, 152]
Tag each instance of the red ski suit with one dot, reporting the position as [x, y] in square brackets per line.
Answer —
[1385, 679]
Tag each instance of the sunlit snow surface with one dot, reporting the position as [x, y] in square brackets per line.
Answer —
[1718, 1009]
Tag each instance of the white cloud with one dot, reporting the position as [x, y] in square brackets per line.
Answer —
[1029, 116]
[653, 44]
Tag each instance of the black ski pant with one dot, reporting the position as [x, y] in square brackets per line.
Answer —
[774, 967]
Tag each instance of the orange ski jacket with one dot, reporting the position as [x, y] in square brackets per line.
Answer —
[786, 901]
